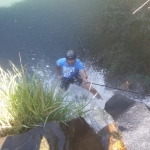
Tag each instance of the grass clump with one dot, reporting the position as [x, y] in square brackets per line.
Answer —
[26, 101]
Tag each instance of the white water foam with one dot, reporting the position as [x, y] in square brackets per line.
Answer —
[147, 101]
[77, 93]
[93, 77]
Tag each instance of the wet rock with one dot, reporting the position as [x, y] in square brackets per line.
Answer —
[77, 135]
[112, 138]
[137, 87]
[117, 105]
[125, 86]
[50, 137]
[133, 120]
[81, 137]
[98, 132]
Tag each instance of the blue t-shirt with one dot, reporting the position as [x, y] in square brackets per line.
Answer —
[70, 71]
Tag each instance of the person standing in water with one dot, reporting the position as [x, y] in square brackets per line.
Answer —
[71, 71]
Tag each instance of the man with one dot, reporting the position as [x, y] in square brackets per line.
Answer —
[70, 70]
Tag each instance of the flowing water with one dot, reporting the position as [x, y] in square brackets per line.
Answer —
[45, 29]
[42, 31]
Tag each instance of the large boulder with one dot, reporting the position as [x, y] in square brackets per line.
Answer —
[80, 136]
[133, 119]
[98, 132]
[50, 137]
[76, 135]
[117, 105]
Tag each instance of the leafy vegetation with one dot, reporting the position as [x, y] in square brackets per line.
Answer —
[126, 38]
[123, 37]
[26, 101]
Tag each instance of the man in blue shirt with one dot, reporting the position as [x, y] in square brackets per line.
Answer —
[71, 70]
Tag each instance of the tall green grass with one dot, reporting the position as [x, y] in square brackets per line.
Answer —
[25, 101]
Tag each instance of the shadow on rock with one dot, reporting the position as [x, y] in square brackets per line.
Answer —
[133, 119]
[98, 132]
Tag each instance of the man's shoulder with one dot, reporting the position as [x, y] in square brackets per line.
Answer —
[61, 61]
[79, 64]
[78, 61]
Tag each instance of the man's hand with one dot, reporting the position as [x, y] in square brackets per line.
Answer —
[60, 77]
[85, 80]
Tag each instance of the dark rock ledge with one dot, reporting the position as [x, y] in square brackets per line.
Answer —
[130, 117]
[133, 120]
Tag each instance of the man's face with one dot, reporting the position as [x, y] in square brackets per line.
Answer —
[70, 61]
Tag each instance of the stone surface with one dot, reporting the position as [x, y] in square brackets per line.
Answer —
[81, 137]
[96, 132]
[117, 105]
[76, 135]
[133, 119]
[112, 138]
[49, 138]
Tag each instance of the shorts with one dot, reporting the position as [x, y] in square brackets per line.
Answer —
[64, 84]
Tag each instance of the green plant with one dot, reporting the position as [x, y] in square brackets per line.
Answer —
[26, 101]
[120, 43]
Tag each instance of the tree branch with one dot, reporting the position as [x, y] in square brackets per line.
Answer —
[141, 7]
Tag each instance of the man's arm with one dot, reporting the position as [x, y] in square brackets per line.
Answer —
[84, 76]
[58, 71]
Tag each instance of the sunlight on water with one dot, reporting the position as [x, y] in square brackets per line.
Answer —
[77, 93]
[9, 3]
